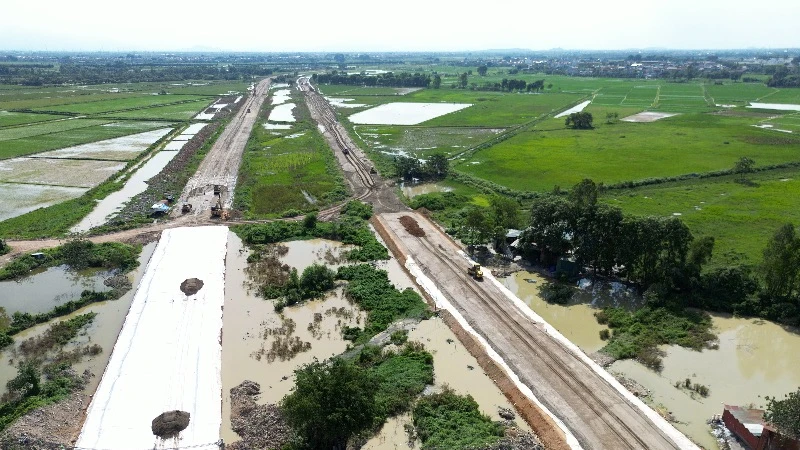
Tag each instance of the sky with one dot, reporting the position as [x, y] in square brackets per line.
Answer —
[410, 25]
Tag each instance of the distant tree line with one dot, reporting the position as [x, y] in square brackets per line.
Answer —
[510, 85]
[662, 258]
[124, 72]
[389, 79]
[784, 77]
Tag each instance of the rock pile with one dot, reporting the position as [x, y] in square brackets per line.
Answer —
[259, 426]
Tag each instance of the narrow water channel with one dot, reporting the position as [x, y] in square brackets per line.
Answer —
[135, 185]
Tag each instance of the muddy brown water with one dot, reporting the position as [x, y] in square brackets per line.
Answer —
[45, 289]
[756, 358]
[103, 331]
[412, 190]
[246, 316]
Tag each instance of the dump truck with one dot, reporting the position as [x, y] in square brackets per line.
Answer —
[475, 271]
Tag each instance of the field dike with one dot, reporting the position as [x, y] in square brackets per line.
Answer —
[551, 432]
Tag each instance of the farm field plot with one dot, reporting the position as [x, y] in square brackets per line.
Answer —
[58, 172]
[790, 122]
[782, 96]
[48, 97]
[19, 199]
[688, 143]
[47, 128]
[180, 111]
[333, 89]
[404, 113]
[70, 137]
[738, 94]
[8, 118]
[118, 149]
[421, 142]
[206, 88]
[741, 218]
[105, 106]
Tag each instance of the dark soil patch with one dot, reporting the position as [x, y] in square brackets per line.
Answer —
[411, 225]
[167, 425]
[770, 140]
[191, 286]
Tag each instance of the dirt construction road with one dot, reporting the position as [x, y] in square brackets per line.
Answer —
[221, 164]
[596, 413]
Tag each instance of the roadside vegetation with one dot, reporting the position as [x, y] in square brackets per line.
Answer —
[436, 417]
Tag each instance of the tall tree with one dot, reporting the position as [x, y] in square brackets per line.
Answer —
[743, 166]
[579, 121]
[331, 402]
[785, 414]
[437, 81]
[482, 70]
[437, 166]
[463, 80]
[780, 266]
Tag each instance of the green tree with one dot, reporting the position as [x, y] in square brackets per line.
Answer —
[579, 121]
[77, 253]
[315, 280]
[331, 402]
[550, 225]
[463, 80]
[505, 212]
[785, 414]
[4, 248]
[26, 383]
[482, 70]
[437, 166]
[477, 227]
[310, 221]
[743, 166]
[780, 266]
[437, 81]
[612, 117]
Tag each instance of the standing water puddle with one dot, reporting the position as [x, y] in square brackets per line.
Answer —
[103, 331]
[19, 199]
[43, 290]
[116, 200]
[413, 190]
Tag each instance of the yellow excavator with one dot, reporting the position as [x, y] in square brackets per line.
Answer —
[476, 272]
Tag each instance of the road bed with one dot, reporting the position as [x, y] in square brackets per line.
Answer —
[168, 354]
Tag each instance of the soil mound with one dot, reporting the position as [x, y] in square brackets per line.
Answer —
[411, 225]
[191, 286]
[169, 424]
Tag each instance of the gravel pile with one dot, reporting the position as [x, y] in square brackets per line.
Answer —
[54, 426]
[516, 440]
[259, 426]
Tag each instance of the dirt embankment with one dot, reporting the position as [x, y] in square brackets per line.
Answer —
[54, 426]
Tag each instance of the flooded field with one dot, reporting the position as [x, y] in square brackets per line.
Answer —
[282, 113]
[19, 199]
[411, 190]
[45, 289]
[247, 319]
[103, 331]
[775, 106]
[577, 108]
[343, 102]
[405, 113]
[753, 359]
[119, 149]
[115, 201]
[58, 172]
[281, 96]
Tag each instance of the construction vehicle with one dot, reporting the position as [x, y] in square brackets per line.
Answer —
[345, 151]
[248, 109]
[475, 271]
[217, 210]
[186, 208]
[372, 170]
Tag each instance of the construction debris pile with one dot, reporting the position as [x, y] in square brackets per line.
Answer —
[411, 225]
[259, 426]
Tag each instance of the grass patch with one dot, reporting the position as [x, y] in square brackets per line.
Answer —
[289, 172]
[448, 421]
[689, 143]
[77, 254]
[638, 334]
[371, 289]
[740, 217]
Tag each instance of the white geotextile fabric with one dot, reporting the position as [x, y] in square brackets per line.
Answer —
[168, 354]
